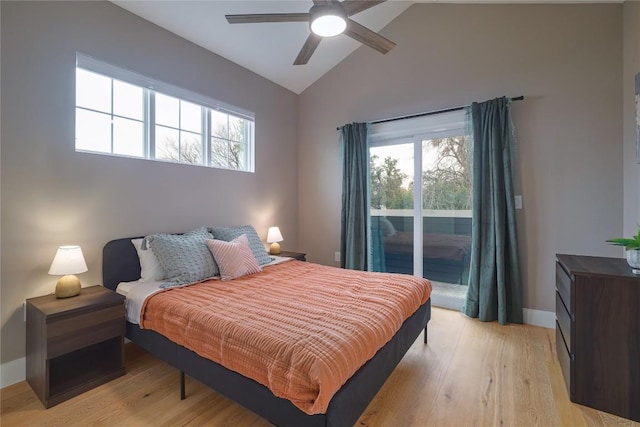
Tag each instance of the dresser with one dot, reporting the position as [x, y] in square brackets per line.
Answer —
[598, 332]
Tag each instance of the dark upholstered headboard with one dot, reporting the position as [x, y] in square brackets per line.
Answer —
[120, 263]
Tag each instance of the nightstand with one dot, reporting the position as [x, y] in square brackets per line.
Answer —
[74, 344]
[296, 255]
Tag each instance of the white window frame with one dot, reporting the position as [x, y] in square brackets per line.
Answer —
[150, 87]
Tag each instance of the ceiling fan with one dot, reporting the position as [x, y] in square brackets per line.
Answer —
[327, 18]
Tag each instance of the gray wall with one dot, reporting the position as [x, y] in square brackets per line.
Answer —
[52, 195]
[565, 59]
[631, 66]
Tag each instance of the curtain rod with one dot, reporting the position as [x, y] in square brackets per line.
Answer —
[430, 113]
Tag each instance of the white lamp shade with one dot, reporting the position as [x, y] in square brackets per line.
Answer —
[274, 235]
[68, 260]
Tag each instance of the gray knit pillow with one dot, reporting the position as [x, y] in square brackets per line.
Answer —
[185, 257]
[257, 247]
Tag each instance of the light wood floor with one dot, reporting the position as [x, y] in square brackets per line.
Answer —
[470, 374]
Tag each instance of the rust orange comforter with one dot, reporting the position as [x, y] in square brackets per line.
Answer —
[298, 328]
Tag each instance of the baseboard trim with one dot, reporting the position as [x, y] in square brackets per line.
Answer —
[13, 372]
[546, 319]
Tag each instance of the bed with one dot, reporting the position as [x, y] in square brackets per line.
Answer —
[121, 264]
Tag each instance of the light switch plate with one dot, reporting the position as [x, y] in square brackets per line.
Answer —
[518, 201]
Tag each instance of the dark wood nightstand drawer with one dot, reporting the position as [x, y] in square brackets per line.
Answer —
[564, 321]
[70, 334]
[300, 256]
[563, 285]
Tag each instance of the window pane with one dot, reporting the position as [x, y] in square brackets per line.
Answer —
[93, 91]
[446, 193]
[93, 131]
[128, 137]
[446, 176]
[127, 100]
[167, 145]
[167, 110]
[190, 117]
[237, 156]
[219, 124]
[237, 129]
[190, 148]
[219, 153]
[392, 214]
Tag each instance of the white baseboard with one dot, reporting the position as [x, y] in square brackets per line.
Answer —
[13, 372]
[546, 319]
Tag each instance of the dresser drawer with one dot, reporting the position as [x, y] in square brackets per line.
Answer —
[563, 285]
[563, 319]
[73, 333]
[565, 359]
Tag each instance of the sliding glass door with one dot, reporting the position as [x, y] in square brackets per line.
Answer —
[392, 208]
[420, 209]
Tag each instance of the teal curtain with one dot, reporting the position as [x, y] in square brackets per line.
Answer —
[354, 232]
[495, 284]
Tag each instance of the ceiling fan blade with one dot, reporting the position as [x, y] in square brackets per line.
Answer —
[267, 17]
[307, 50]
[368, 37]
[356, 6]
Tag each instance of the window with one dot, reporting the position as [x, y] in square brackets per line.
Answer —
[125, 114]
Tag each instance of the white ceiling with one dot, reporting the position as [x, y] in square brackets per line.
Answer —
[268, 49]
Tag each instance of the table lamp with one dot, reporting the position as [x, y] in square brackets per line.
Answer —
[274, 236]
[67, 262]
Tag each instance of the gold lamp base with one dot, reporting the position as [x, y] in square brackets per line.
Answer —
[68, 286]
[274, 249]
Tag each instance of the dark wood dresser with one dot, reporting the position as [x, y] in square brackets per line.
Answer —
[598, 332]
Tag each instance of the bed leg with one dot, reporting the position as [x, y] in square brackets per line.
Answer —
[182, 391]
[425, 334]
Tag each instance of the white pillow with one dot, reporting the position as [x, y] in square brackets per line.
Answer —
[150, 268]
[235, 258]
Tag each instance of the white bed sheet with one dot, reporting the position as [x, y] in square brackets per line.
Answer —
[137, 292]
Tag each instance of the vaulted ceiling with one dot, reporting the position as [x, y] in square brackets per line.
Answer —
[269, 49]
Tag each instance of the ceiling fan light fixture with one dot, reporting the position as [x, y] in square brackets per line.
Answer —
[327, 21]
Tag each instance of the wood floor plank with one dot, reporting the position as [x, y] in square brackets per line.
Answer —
[469, 374]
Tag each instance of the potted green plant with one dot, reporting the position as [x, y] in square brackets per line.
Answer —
[632, 250]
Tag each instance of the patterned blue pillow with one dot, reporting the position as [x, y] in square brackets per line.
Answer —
[185, 257]
[257, 247]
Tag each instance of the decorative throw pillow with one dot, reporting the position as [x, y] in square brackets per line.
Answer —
[235, 258]
[150, 268]
[257, 247]
[185, 257]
